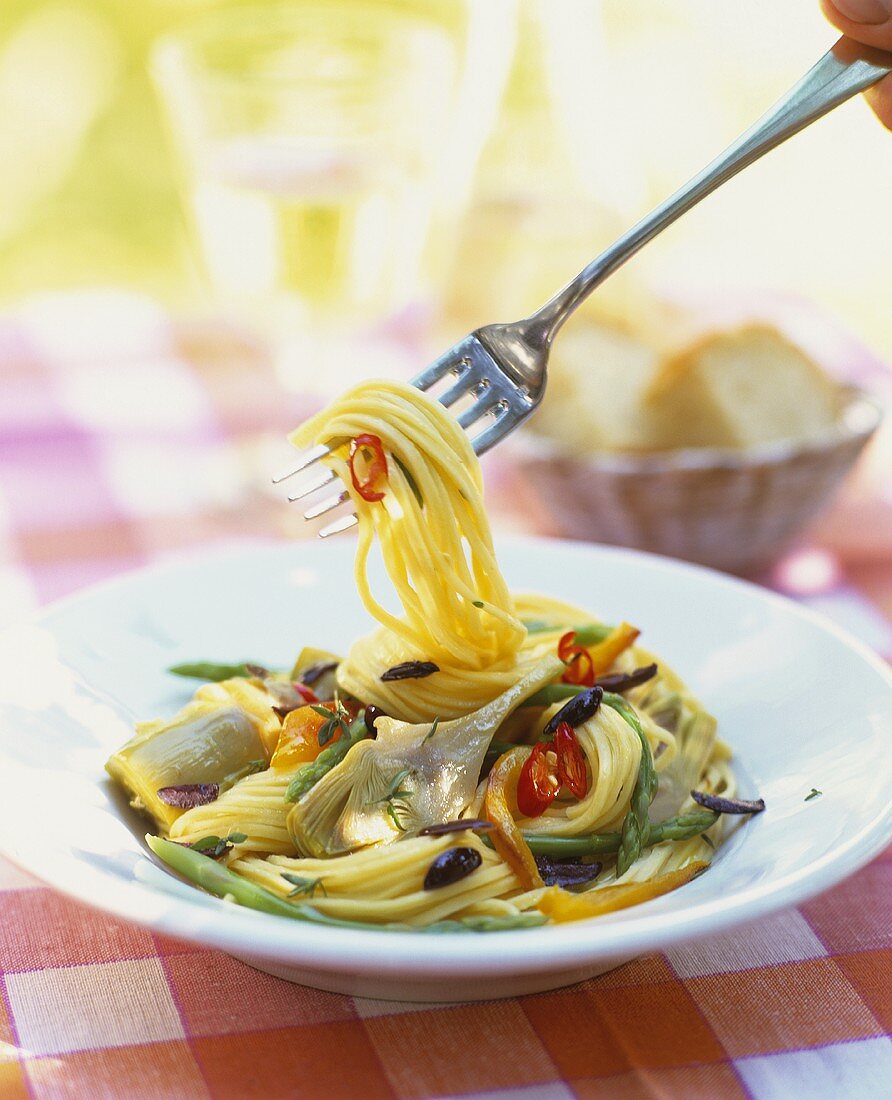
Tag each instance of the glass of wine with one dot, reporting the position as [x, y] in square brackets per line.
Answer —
[310, 140]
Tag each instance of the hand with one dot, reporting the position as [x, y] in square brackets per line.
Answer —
[870, 22]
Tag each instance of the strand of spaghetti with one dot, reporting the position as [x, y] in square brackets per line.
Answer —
[435, 540]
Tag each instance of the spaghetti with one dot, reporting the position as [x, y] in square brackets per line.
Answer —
[395, 800]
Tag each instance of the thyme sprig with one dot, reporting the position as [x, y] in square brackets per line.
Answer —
[396, 801]
[309, 775]
[216, 846]
[337, 721]
[303, 886]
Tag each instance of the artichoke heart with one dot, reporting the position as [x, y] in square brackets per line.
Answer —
[325, 685]
[696, 741]
[253, 699]
[206, 742]
[409, 777]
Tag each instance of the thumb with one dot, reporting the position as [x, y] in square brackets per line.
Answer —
[870, 22]
[867, 21]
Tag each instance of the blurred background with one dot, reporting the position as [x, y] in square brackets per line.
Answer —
[213, 215]
[607, 106]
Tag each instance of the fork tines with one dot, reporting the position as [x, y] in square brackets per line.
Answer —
[476, 383]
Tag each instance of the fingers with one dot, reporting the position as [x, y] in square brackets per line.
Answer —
[880, 99]
[870, 22]
[867, 21]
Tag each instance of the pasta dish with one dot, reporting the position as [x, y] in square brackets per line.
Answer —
[482, 760]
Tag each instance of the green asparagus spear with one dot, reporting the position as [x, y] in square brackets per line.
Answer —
[635, 824]
[586, 633]
[220, 881]
[683, 827]
[211, 670]
[552, 693]
[310, 774]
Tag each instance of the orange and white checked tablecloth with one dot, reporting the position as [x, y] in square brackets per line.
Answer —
[123, 438]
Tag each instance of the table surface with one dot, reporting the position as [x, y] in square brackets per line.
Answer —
[124, 438]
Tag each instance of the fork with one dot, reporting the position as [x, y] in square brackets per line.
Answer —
[497, 374]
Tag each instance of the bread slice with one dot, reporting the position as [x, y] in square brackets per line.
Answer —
[741, 388]
[597, 378]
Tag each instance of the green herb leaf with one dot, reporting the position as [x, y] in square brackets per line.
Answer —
[334, 721]
[394, 789]
[396, 800]
[205, 844]
[215, 846]
[309, 775]
[393, 812]
[416, 492]
[478, 603]
[304, 887]
[813, 793]
[431, 731]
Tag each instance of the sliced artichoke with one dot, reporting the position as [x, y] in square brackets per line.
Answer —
[410, 776]
[253, 699]
[695, 738]
[310, 658]
[206, 742]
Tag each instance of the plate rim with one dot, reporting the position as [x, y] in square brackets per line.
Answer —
[423, 955]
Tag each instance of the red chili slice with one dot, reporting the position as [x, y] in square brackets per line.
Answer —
[537, 784]
[307, 694]
[570, 761]
[370, 480]
[566, 647]
[577, 658]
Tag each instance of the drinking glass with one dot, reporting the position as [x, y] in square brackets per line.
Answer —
[309, 135]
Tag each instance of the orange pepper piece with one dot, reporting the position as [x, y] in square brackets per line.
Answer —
[562, 906]
[605, 653]
[506, 837]
[299, 737]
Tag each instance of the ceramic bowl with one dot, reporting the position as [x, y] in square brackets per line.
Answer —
[802, 704]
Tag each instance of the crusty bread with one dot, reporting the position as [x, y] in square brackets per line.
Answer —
[610, 391]
[742, 388]
[597, 377]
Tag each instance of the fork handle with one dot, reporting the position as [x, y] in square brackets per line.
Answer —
[844, 71]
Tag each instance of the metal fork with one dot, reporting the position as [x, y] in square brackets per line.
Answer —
[501, 369]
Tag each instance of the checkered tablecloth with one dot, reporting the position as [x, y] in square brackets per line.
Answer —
[124, 438]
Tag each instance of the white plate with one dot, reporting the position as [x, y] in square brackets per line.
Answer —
[802, 704]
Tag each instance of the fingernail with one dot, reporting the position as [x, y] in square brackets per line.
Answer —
[864, 11]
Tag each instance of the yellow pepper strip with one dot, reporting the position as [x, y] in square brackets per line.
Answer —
[562, 906]
[605, 653]
[506, 837]
[299, 737]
